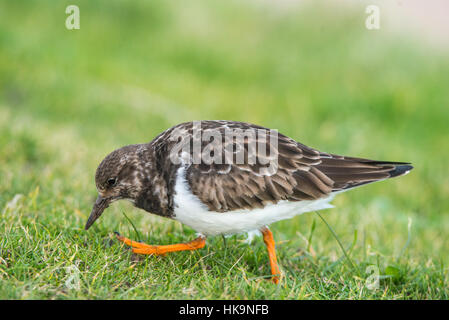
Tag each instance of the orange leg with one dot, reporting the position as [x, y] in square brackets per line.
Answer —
[269, 242]
[143, 248]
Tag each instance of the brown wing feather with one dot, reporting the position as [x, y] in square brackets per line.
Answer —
[302, 173]
[243, 186]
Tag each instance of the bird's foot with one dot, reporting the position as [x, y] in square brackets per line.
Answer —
[143, 248]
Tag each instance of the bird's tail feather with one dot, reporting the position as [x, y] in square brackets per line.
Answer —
[348, 172]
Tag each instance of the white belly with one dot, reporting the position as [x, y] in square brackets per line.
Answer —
[192, 212]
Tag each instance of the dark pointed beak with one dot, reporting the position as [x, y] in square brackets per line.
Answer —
[97, 210]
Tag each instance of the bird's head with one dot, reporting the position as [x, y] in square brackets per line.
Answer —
[118, 177]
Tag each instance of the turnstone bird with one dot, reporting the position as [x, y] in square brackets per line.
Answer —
[227, 177]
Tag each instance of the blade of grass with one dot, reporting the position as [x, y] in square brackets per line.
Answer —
[134, 227]
[409, 238]
[340, 244]
[309, 240]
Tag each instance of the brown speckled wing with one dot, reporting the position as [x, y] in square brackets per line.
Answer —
[302, 173]
[247, 184]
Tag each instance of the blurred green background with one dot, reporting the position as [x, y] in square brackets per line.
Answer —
[135, 68]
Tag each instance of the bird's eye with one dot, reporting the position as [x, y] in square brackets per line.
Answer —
[112, 182]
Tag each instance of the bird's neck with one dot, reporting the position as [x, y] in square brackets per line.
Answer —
[155, 196]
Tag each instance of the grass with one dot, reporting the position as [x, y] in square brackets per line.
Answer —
[67, 98]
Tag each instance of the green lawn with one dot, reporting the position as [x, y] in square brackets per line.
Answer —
[135, 68]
